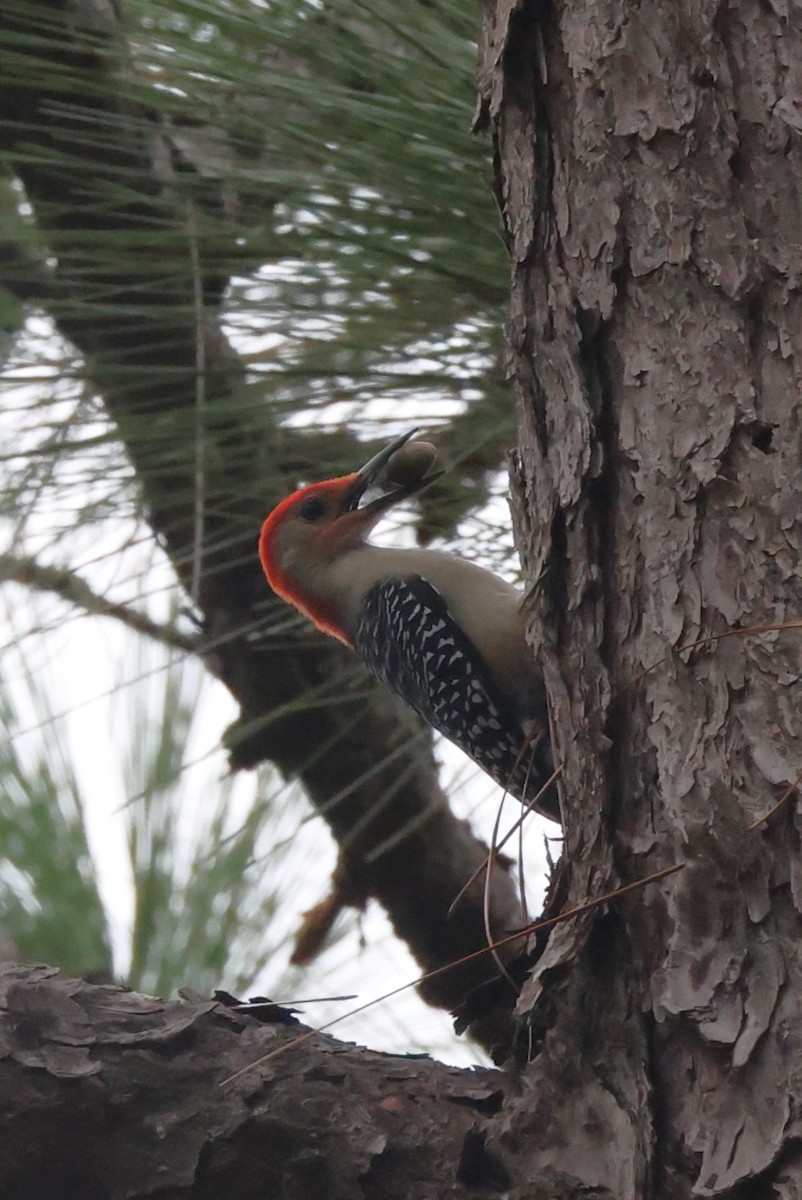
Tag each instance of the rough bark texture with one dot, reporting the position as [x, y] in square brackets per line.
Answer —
[649, 167]
[115, 199]
[108, 1095]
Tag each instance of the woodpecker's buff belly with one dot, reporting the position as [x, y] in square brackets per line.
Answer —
[447, 635]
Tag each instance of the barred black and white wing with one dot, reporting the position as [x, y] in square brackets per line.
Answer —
[407, 636]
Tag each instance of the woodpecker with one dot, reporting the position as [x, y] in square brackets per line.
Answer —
[445, 634]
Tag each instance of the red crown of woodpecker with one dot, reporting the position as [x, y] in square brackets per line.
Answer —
[328, 518]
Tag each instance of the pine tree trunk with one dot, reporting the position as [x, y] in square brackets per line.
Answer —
[649, 171]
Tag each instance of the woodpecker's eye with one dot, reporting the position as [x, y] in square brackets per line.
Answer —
[312, 509]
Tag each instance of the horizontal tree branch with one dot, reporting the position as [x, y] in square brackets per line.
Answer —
[72, 588]
[104, 1092]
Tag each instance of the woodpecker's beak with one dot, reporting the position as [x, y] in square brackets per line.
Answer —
[392, 492]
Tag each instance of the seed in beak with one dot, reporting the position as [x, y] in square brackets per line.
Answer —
[408, 465]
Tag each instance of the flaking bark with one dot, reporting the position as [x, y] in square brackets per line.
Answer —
[649, 168]
[105, 1093]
